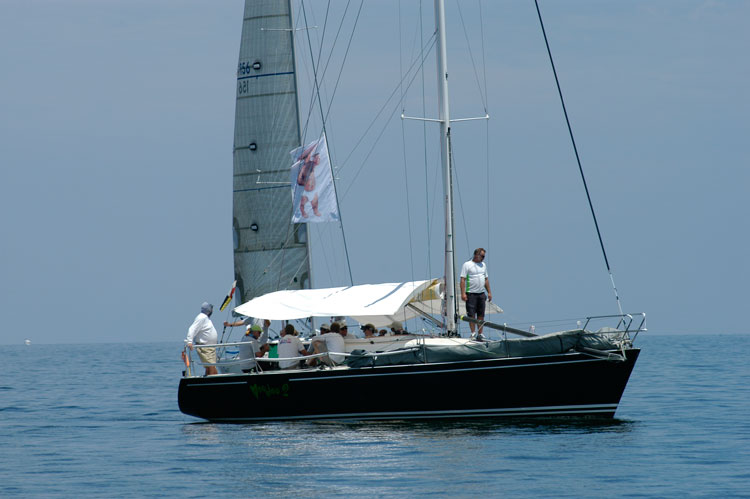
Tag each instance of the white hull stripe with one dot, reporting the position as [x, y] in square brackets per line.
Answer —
[225, 383]
[518, 411]
[484, 368]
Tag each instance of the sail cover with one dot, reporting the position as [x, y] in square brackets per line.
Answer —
[378, 304]
[270, 252]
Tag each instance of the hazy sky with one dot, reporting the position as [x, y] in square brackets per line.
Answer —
[116, 150]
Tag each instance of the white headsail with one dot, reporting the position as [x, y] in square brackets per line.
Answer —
[270, 252]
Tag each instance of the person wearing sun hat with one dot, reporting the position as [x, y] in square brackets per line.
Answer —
[254, 344]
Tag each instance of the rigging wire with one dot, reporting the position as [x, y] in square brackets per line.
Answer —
[385, 104]
[578, 159]
[323, 231]
[424, 141]
[483, 97]
[471, 56]
[322, 117]
[486, 125]
[403, 142]
[323, 37]
[458, 190]
[330, 55]
[315, 63]
[377, 139]
[279, 205]
[346, 54]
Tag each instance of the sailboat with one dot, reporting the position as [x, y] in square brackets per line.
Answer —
[572, 373]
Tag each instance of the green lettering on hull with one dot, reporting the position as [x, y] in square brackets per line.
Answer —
[269, 391]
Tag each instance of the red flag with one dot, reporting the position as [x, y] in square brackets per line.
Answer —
[228, 298]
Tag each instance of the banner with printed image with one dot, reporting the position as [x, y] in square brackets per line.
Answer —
[313, 192]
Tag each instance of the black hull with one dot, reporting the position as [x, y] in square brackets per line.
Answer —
[570, 384]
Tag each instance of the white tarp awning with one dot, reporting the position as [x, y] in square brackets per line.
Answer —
[379, 304]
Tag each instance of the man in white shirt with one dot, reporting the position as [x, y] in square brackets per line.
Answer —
[290, 346]
[203, 332]
[330, 342]
[474, 281]
[247, 321]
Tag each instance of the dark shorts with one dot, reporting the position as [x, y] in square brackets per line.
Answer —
[475, 304]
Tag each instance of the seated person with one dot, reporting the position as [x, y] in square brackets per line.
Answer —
[290, 346]
[254, 344]
[329, 342]
[397, 328]
[344, 330]
[369, 330]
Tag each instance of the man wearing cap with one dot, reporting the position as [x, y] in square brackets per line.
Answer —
[344, 330]
[253, 344]
[330, 342]
[203, 332]
[369, 330]
[397, 328]
[474, 281]
[325, 328]
[290, 347]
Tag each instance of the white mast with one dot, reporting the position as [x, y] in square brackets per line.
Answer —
[445, 130]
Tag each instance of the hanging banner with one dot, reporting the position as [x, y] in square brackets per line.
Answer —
[313, 193]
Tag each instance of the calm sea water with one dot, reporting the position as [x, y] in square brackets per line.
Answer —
[102, 420]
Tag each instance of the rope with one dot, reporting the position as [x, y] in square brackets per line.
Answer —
[578, 159]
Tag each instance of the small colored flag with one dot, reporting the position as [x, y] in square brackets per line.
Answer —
[228, 298]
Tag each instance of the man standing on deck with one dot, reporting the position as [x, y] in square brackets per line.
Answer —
[474, 280]
[203, 332]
